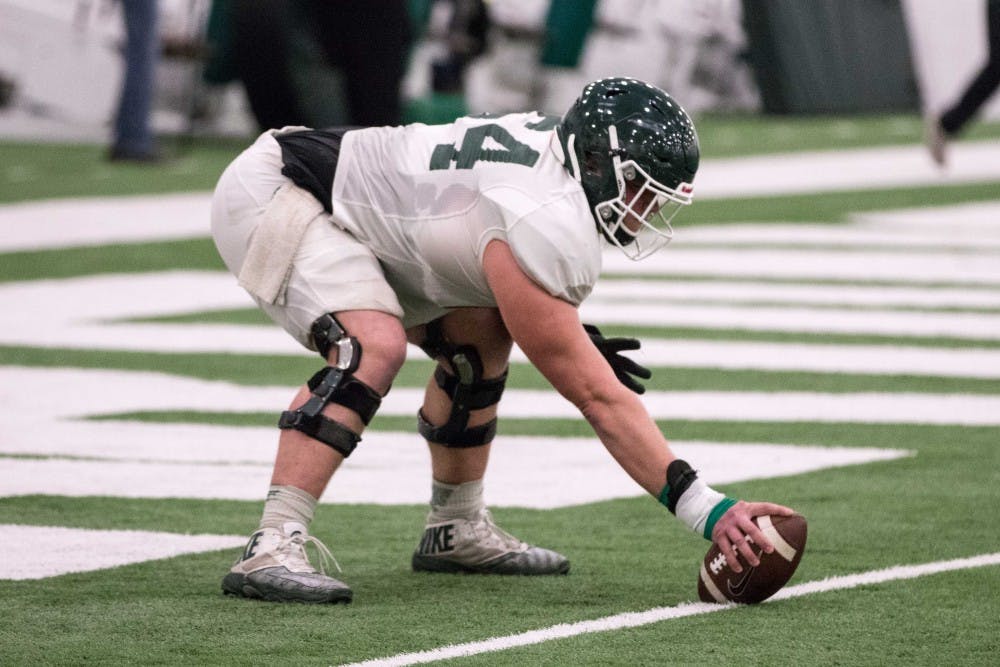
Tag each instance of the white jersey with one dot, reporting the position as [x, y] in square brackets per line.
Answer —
[428, 198]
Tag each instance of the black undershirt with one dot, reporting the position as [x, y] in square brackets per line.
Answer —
[310, 158]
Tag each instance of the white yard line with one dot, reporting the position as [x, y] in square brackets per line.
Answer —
[961, 221]
[67, 223]
[46, 449]
[649, 294]
[970, 227]
[40, 331]
[797, 319]
[856, 169]
[660, 614]
[143, 460]
[394, 468]
[36, 552]
[917, 267]
[820, 358]
[88, 306]
[80, 222]
[100, 392]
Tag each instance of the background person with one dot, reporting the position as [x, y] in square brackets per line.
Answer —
[133, 135]
[950, 124]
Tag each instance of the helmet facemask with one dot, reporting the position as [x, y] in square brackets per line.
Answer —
[634, 151]
[638, 220]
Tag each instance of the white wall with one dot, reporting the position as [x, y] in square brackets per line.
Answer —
[948, 44]
[62, 56]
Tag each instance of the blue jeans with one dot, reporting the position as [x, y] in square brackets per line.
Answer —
[133, 133]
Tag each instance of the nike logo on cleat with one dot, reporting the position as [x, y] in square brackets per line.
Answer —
[438, 539]
[251, 548]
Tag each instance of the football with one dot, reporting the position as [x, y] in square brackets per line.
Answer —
[718, 583]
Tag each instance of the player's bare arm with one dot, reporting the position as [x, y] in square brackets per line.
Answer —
[549, 332]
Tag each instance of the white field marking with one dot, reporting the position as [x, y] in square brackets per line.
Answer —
[86, 304]
[819, 358]
[750, 406]
[81, 307]
[858, 169]
[795, 319]
[136, 459]
[661, 293]
[917, 267]
[72, 222]
[964, 226]
[388, 469]
[36, 552]
[975, 220]
[90, 221]
[98, 392]
[790, 235]
[66, 223]
[659, 614]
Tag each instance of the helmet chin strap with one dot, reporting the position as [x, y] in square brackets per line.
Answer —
[569, 154]
[571, 149]
[616, 159]
[616, 162]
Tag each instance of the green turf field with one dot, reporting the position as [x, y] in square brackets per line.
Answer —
[934, 504]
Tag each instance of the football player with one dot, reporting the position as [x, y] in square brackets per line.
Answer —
[463, 239]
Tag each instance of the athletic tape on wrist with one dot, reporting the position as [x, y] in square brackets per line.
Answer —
[697, 503]
[715, 515]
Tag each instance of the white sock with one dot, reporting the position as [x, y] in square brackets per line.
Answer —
[287, 504]
[696, 504]
[456, 501]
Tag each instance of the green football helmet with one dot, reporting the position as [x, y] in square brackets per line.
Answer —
[635, 152]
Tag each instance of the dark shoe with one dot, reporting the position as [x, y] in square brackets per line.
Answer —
[119, 154]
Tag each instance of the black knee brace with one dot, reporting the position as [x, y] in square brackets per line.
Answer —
[334, 384]
[466, 388]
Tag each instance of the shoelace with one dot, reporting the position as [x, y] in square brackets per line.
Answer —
[294, 547]
[499, 534]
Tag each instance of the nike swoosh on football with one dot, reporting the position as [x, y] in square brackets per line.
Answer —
[741, 585]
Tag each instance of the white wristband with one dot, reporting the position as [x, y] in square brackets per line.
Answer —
[697, 503]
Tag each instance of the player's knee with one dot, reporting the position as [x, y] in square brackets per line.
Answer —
[382, 357]
[484, 330]
[379, 342]
[358, 375]
[468, 382]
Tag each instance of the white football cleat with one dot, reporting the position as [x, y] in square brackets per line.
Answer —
[274, 567]
[480, 546]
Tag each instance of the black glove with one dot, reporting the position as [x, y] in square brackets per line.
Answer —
[623, 367]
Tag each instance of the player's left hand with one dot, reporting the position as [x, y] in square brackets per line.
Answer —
[736, 525]
[623, 367]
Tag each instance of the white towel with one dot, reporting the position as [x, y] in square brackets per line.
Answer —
[268, 264]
